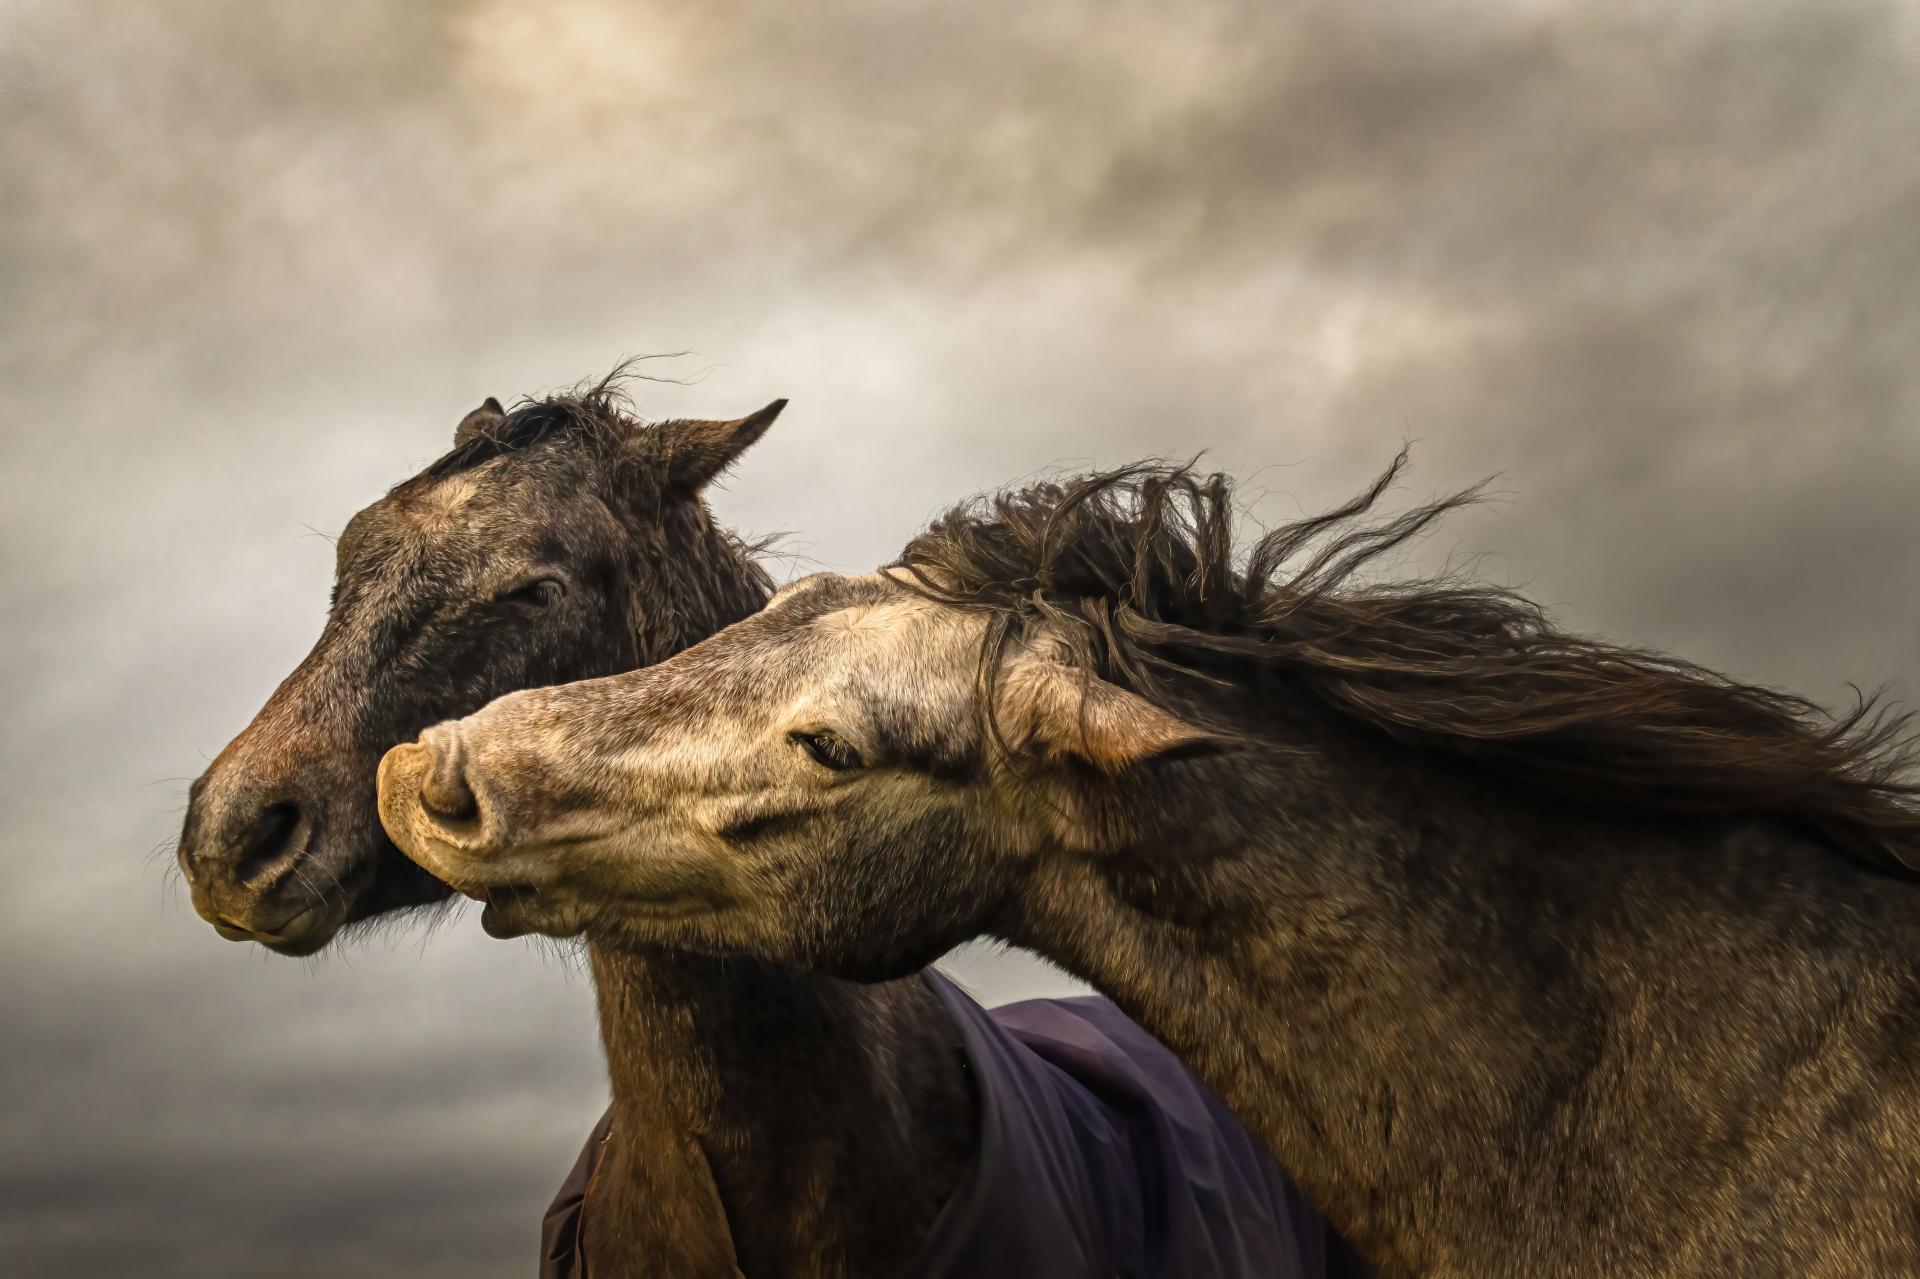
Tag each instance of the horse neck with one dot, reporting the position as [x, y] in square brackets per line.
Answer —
[739, 1085]
[1298, 929]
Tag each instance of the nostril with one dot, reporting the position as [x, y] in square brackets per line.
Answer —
[269, 841]
[452, 803]
[444, 791]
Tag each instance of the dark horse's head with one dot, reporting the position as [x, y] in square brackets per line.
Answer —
[560, 541]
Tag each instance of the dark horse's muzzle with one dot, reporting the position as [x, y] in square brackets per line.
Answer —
[250, 850]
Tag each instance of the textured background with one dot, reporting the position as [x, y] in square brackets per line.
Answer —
[1656, 264]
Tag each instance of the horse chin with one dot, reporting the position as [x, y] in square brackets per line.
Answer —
[517, 910]
[367, 886]
[307, 933]
[502, 926]
[299, 949]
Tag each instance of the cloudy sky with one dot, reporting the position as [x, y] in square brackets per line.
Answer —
[1657, 265]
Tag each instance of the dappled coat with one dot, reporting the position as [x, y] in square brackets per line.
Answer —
[1100, 1155]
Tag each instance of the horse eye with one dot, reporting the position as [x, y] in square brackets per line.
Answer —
[828, 749]
[542, 592]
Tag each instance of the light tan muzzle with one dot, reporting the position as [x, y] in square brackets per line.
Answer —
[432, 810]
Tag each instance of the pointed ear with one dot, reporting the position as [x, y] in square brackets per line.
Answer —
[696, 452]
[1058, 712]
[484, 418]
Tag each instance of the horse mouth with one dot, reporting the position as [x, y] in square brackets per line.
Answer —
[507, 905]
[517, 910]
[496, 894]
[307, 933]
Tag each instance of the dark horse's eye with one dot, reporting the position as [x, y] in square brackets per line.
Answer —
[828, 749]
[541, 592]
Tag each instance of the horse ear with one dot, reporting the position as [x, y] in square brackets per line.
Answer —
[1060, 713]
[696, 452]
[482, 419]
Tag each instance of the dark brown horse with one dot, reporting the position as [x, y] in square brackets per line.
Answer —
[1530, 954]
[764, 1120]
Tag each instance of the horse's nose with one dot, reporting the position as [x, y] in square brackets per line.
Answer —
[444, 791]
[241, 842]
[239, 851]
[427, 789]
[267, 840]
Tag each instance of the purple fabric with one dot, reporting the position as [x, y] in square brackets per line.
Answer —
[1100, 1155]
[560, 1230]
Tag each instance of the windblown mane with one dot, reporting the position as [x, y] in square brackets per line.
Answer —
[1138, 569]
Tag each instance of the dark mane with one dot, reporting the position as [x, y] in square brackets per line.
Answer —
[598, 410]
[1138, 568]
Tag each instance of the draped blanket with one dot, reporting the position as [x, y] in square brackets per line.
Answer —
[1100, 1156]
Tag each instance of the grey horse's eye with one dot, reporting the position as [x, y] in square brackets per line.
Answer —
[829, 749]
[541, 592]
